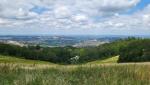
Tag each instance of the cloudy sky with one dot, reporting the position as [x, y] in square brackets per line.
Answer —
[96, 17]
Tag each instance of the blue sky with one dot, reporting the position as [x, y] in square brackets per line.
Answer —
[94, 17]
[143, 4]
[140, 6]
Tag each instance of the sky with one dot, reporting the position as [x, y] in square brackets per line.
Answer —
[75, 17]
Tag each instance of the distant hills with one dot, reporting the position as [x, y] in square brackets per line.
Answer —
[59, 41]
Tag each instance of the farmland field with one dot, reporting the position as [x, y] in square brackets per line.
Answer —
[27, 73]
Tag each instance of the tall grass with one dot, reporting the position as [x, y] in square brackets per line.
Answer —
[76, 75]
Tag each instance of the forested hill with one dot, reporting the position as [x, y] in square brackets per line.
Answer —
[129, 50]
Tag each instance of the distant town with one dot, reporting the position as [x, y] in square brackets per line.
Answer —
[59, 41]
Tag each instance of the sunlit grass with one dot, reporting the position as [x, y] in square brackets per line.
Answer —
[80, 75]
[10, 59]
[44, 73]
[108, 60]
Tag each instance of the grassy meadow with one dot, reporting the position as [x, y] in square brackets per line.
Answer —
[14, 71]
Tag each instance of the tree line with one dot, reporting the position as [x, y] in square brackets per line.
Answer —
[130, 50]
[135, 51]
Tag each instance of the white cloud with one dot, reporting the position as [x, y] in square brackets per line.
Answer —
[104, 7]
[89, 7]
[80, 18]
[74, 14]
[62, 12]
[2, 21]
[146, 19]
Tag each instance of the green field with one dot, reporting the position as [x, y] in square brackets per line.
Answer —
[14, 71]
[108, 60]
[14, 60]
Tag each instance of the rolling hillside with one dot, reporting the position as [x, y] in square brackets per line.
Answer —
[14, 60]
[104, 61]
[15, 71]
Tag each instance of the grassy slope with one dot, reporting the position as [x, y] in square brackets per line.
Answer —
[10, 59]
[108, 60]
[14, 60]
[89, 74]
